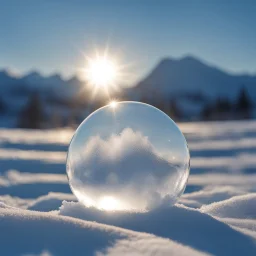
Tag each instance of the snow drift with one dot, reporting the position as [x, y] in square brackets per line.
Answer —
[35, 233]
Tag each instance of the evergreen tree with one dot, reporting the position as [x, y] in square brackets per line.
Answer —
[223, 105]
[2, 106]
[223, 109]
[206, 113]
[244, 104]
[174, 110]
[55, 119]
[32, 115]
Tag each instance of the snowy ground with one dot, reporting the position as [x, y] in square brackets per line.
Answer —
[215, 216]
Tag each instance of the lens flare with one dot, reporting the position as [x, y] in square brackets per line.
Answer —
[102, 72]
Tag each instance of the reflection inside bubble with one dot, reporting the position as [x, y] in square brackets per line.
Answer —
[108, 203]
[132, 157]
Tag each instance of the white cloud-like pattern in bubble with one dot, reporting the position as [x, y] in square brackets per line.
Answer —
[125, 165]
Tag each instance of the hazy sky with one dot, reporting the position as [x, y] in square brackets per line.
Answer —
[50, 35]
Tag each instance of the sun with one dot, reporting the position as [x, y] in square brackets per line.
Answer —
[104, 74]
[101, 71]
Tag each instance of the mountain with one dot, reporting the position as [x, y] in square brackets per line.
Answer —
[185, 89]
[171, 77]
[33, 77]
[16, 92]
[7, 79]
[190, 75]
[35, 81]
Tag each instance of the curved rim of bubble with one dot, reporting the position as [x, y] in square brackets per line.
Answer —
[127, 102]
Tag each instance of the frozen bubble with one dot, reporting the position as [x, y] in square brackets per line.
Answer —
[128, 156]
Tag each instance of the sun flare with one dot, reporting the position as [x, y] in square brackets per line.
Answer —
[104, 74]
[101, 72]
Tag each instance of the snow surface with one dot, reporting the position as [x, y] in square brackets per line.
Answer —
[215, 216]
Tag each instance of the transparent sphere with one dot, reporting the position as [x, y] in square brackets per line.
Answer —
[128, 156]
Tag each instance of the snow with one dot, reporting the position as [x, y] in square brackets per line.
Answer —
[38, 233]
[179, 223]
[216, 215]
[50, 202]
[236, 207]
[214, 194]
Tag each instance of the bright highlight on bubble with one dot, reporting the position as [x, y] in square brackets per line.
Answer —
[108, 203]
[128, 156]
[113, 104]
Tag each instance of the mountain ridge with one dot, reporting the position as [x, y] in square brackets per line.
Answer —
[189, 74]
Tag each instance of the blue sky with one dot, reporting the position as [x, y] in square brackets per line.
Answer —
[51, 35]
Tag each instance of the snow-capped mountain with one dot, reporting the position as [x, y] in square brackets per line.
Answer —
[34, 81]
[190, 75]
[33, 77]
[7, 79]
[189, 84]
[170, 77]
[16, 92]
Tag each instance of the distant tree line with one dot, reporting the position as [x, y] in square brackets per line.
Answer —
[224, 109]
[32, 116]
[35, 116]
[2, 106]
